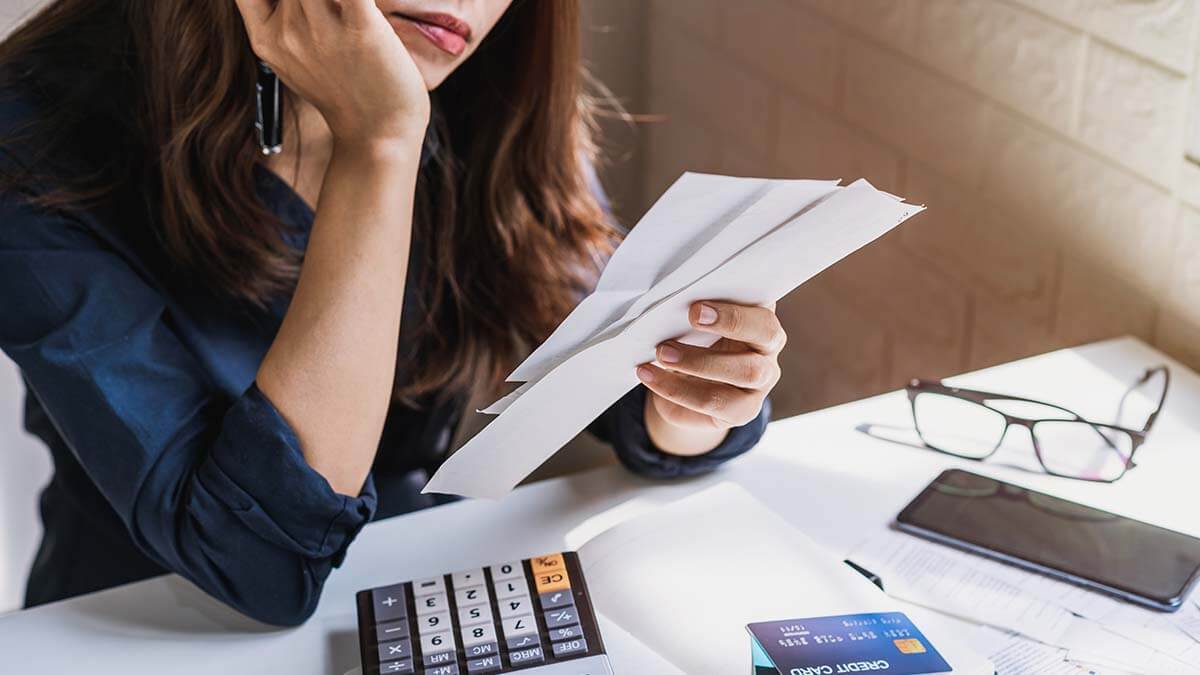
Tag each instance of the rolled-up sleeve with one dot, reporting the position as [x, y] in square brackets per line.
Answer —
[623, 425]
[211, 486]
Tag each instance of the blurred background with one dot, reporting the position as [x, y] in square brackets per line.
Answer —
[1056, 143]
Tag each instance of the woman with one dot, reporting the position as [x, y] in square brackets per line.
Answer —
[237, 362]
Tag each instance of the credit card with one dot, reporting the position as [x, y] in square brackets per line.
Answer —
[886, 642]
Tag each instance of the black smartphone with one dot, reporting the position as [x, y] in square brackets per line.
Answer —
[1127, 558]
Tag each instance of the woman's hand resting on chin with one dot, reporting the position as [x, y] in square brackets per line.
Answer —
[345, 59]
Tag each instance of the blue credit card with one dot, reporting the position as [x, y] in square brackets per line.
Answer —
[885, 642]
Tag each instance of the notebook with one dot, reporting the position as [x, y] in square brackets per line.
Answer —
[688, 578]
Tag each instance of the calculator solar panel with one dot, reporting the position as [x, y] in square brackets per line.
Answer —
[531, 616]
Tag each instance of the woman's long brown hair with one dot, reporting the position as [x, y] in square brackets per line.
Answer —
[159, 92]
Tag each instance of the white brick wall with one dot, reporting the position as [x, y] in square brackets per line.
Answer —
[1133, 111]
[1046, 136]
[927, 117]
[1012, 55]
[1160, 30]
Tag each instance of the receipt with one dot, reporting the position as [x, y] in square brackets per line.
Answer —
[963, 585]
[756, 242]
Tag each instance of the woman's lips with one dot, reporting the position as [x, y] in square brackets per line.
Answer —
[446, 32]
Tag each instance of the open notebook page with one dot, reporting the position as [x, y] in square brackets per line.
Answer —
[686, 579]
[627, 654]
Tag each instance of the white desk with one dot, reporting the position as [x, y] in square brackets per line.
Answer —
[832, 481]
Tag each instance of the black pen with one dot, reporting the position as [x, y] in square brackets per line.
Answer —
[269, 114]
[871, 576]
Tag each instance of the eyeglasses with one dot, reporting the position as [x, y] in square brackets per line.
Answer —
[972, 424]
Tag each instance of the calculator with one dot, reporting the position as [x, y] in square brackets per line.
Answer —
[532, 616]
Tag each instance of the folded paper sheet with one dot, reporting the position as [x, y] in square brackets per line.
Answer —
[746, 240]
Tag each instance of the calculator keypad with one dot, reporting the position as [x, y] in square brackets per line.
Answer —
[521, 615]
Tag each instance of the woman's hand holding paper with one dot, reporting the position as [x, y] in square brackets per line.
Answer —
[697, 394]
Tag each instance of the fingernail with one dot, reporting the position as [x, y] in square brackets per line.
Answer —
[708, 315]
[645, 373]
[669, 354]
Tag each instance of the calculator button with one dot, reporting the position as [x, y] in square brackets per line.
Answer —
[513, 607]
[547, 563]
[393, 651]
[468, 578]
[578, 646]
[508, 570]
[477, 635]
[488, 664]
[556, 599]
[432, 604]
[483, 650]
[468, 597]
[469, 616]
[433, 623]
[565, 633]
[437, 642]
[511, 588]
[440, 658]
[521, 657]
[549, 582]
[519, 625]
[400, 667]
[429, 586]
[389, 603]
[451, 669]
[558, 618]
[391, 631]
[522, 642]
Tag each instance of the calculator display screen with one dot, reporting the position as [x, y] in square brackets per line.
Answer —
[1083, 543]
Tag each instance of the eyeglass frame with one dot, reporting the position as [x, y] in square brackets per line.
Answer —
[1137, 437]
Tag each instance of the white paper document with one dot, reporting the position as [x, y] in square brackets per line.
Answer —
[1161, 632]
[745, 240]
[1093, 629]
[1187, 619]
[1093, 643]
[687, 578]
[1017, 655]
[962, 585]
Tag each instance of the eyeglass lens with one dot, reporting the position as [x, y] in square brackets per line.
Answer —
[1082, 450]
[958, 426]
[1066, 447]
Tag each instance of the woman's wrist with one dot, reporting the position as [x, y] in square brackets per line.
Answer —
[379, 150]
[676, 440]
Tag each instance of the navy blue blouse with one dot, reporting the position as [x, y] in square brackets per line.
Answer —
[167, 456]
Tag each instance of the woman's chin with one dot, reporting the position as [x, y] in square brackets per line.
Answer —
[433, 67]
[432, 76]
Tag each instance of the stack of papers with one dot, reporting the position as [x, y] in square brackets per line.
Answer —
[1058, 625]
[744, 240]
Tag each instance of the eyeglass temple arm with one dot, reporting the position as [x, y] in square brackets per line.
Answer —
[1162, 398]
